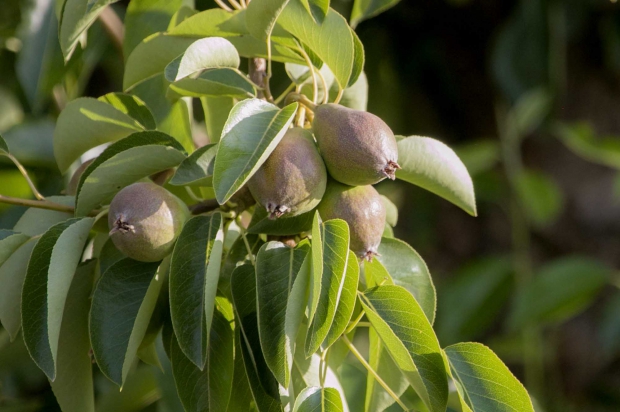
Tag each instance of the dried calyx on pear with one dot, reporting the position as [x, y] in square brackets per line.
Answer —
[361, 207]
[358, 147]
[145, 220]
[292, 180]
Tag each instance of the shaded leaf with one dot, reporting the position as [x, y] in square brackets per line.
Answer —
[410, 340]
[36, 221]
[479, 156]
[123, 163]
[279, 227]
[194, 275]
[252, 131]
[140, 391]
[261, 16]
[216, 110]
[9, 242]
[365, 9]
[540, 196]
[346, 302]
[317, 9]
[215, 82]
[318, 399]
[197, 169]
[50, 272]
[483, 381]
[582, 140]
[122, 305]
[132, 106]
[435, 167]
[4, 149]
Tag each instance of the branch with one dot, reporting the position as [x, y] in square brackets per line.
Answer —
[41, 204]
[113, 26]
[258, 75]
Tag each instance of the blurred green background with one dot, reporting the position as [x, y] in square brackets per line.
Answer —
[528, 94]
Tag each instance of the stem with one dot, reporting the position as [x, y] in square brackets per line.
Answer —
[315, 86]
[204, 206]
[247, 244]
[284, 93]
[258, 74]
[223, 5]
[24, 173]
[353, 324]
[235, 4]
[325, 90]
[370, 370]
[297, 97]
[113, 26]
[41, 204]
[339, 96]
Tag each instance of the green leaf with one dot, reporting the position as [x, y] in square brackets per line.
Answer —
[208, 389]
[86, 123]
[132, 106]
[483, 381]
[407, 269]
[317, 267]
[215, 82]
[194, 275]
[207, 53]
[261, 16]
[197, 169]
[354, 96]
[32, 143]
[479, 156]
[435, 167]
[410, 340]
[358, 60]
[560, 290]
[77, 17]
[73, 386]
[48, 279]
[279, 227]
[318, 399]
[335, 251]
[280, 303]
[145, 17]
[377, 399]
[583, 141]
[122, 305]
[530, 111]
[391, 211]
[4, 149]
[480, 291]
[263, 384]
[36, 221]
[332, 40]
[317, 9]
[365, 9]
[108, 256]
[346, 302]
[12, 275]
[238, 255]
[139, 391]
[216, 110]
[540, 196]
[252, 131]
[9, 242]
[123, 163]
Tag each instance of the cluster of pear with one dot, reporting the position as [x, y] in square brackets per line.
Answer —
[355, 150]
[334, 174]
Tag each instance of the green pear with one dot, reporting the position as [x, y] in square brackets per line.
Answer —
[292, 180]
[358, 147]
[145, 220]
[363, 210]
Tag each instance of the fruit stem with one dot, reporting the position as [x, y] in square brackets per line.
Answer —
[24, 173]
[375, 375]
[315, 86]
[284, 93]
[297, 97]
[41, 204]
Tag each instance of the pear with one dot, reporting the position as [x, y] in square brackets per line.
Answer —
[145, 220]
[292, 180]
[363, 210]
[358, 147]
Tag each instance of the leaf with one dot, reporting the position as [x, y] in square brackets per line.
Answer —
[12, 275]
[317, 9]
[410, 340]
[335, 252]
[407, 269]
[279, 227]
[356, 95]
[216, 110]
[86, 123]
[207, 53]
[50, 272]
[197, 168]
[346, 302]
[365, 9]
[560, 290]
[263, 384]
[479, 156]
[32, 143]
[9, 242]
[531, 110]
[36, 221]
[582, 140]
[391, 211]
[215, 82]
[122, 304]
[358, 60]
[4, 149]
[261, 16]
[317, 267]
[435, 167]
[194, 275]
[140, 390]
[132, 106]
[145, 17]
[73, 386]
[332, 40]
[241, 396]
[109, 255]
[77, 17]
[208, 389]
[252, 131]
[484, 382]
[540, 196]
[280, 303]
[125, 162]
[318, 399]
[480, 291]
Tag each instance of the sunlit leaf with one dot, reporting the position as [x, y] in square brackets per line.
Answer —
[346, 302]
[365, 9]
[207, 53]
[317, 399]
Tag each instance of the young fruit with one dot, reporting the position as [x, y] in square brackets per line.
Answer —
[145, 221]
[358, 147]
[292, 180]
[361, 207]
